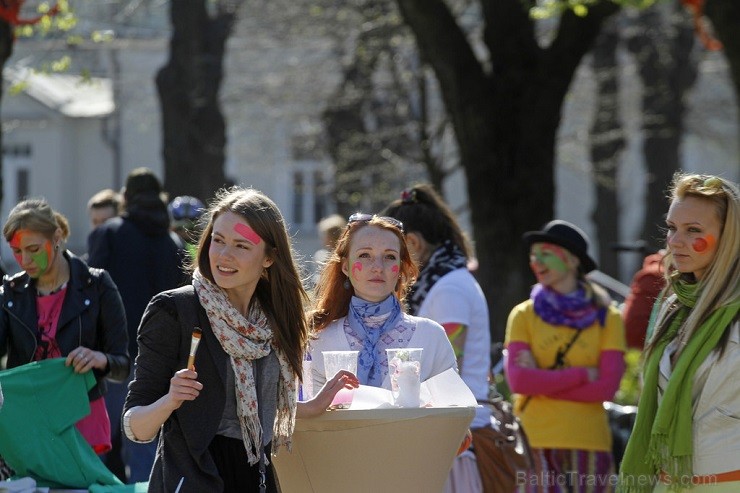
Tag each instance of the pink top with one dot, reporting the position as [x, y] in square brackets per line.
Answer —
[568, 383]
[49, 307]
[95, 427]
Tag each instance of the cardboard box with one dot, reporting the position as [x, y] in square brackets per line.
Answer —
[373, 450]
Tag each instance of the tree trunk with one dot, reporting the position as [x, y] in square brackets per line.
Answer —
[377, 123]
[725, 17]
[505, 123]
[6, 49]
[193, 127]
[667, 71]
[347, 135]
[607, 143]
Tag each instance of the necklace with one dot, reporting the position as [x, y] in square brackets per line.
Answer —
[43, 292]
[60, 282]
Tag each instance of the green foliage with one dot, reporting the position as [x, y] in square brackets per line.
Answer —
[17, 88]
[59, 23]
[102, 36]
[545, 9]
[48, 25]
[629, 388]
[500, 386]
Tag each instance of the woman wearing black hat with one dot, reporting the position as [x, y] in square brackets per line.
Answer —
[566, 348]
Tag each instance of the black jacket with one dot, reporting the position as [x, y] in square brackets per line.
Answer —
[141, 256]
[92, 316]
[164, 340]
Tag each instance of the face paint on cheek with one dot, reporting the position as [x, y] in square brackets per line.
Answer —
[556, 264]
[247, 233]
[701, 245]
[552, 257]
[41, 259]
[356, 267]
[395, 269]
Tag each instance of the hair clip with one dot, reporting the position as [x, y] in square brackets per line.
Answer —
[713, 182]
[408, 196]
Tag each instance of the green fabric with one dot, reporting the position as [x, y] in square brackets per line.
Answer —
[43, 401]
[662, 437]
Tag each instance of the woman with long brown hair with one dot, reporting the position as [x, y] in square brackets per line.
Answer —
[222, 417]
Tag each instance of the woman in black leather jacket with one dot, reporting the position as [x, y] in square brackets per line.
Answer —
[60, 307]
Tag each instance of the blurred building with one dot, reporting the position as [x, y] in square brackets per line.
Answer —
[64, 140]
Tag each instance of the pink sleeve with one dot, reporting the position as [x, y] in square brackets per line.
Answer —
[611, 369]
[531, 381]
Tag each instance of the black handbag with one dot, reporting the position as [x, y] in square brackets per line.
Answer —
[621, 421]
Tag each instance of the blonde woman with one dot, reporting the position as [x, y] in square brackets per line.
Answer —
[687, 434]
[59, 307]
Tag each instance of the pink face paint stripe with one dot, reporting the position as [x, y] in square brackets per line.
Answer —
[248, 233]
[356, 267]
[394, 269]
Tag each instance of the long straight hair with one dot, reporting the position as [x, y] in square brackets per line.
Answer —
[720, 284]
[279, 291]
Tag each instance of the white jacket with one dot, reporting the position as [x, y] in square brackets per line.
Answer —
[438, 355]
[716, 420]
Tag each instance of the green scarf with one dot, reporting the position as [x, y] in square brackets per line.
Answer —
[662, 437]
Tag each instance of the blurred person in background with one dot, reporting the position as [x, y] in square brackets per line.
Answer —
[102, 206]
[644, 290]
[566, 347]
[185, 211]
[330, 229]
[143, 257]
[447, 293]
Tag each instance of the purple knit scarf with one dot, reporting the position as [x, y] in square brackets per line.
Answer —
[576, 309]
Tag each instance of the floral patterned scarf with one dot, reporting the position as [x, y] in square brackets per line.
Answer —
[245, 340]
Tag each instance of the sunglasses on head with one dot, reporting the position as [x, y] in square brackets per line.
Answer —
[359, 217]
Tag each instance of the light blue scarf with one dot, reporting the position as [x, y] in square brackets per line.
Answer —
[370, 321]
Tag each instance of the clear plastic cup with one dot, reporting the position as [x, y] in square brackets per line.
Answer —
[404, 372]
[335, 361]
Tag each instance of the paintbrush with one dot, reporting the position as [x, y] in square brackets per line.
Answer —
[194, 341]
